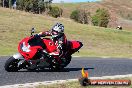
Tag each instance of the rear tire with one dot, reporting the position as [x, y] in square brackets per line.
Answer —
[56, 68]
[65, 62]
[68, 60]
[11, 65]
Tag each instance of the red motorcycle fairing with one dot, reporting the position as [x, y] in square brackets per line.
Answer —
[50, 45]
[75, 46]
[27, 51]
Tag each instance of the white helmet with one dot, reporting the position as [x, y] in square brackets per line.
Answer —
[57, 29]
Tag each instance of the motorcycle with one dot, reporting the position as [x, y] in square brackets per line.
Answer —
[35, 53]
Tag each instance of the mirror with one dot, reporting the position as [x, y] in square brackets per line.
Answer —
[32, 31]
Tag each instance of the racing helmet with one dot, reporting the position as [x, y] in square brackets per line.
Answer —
[57, 29]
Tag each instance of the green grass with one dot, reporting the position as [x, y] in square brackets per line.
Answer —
[15, 25]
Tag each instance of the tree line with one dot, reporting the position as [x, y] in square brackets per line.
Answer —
[34, 6]
[100, 18]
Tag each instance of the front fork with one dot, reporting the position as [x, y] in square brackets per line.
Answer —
[20, 58]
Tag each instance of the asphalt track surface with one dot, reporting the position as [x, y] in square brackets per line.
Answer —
[95, 66]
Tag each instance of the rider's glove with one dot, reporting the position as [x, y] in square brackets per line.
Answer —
[41, 34]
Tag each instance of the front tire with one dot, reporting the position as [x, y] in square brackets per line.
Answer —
[11, 65]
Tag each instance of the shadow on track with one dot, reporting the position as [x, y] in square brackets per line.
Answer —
[62, 70]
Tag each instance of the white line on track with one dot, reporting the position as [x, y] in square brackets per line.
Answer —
[33, 85]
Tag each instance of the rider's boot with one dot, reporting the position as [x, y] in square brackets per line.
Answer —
[33, 64]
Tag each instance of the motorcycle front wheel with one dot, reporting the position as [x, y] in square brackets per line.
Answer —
[11, 65]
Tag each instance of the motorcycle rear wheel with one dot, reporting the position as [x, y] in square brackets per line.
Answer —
[11, 65]
[58, 67]
[67, 61]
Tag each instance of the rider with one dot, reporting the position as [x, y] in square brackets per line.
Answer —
[58, 36]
